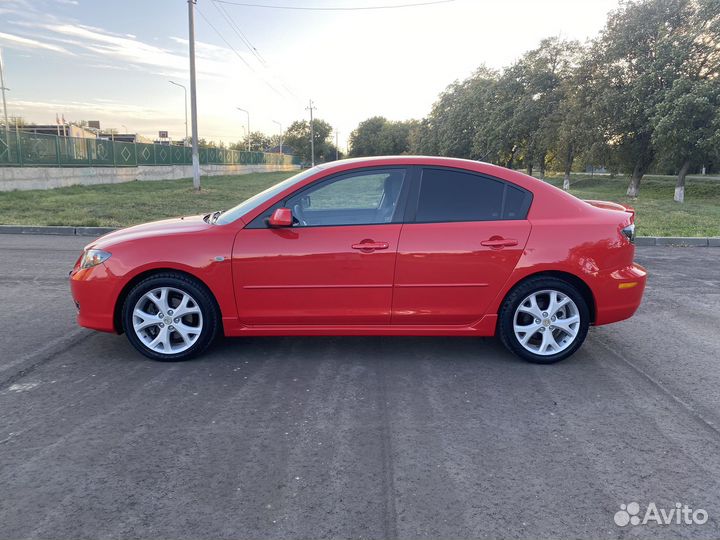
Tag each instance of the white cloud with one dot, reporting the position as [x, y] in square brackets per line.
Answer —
[28, 43]
[84, 108]
[397, 72]
[213, 62]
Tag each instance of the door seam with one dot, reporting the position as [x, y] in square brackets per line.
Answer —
[392, 292]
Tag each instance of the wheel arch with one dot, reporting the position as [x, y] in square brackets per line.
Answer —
[120, 300]
[574, 280]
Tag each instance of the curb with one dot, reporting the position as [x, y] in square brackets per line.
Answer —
[678, 241]
[56, 230]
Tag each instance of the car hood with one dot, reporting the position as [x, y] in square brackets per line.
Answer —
[165, 227]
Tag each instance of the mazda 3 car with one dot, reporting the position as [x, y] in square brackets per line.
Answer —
[374, 246]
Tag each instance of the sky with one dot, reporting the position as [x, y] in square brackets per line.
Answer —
[111, 60]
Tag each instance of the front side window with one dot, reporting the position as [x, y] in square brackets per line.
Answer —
[359, 198]
[452, 195]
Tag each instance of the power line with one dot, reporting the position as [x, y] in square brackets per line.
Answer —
[225, 40]
[240, 33]
[251, 47]
[350, 8]
[238, 54]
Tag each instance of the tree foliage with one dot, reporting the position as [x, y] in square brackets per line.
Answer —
[643, 94]
[378, 136]
[258, 142]
[297, 136]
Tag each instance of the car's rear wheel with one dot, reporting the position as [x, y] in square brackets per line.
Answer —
[544, 320]
[169, 317]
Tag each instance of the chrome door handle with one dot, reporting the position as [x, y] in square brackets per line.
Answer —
[499, 243]
[370, 245]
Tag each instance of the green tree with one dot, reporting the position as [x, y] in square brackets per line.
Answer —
[686, 121]
[259, 141]
[687, 127]
[456, 117]
[536, 84]
[572, 130]
[297, 136]
[646, 46]
[378, 136]
[365, 139]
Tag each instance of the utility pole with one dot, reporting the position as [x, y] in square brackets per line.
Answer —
[336, 146]
[185, 91]
[2, 86]
[310, 108]
[248, 125]
[281, 134]
[193, 96]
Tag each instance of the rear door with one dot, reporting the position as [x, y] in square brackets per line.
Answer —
[463, 236]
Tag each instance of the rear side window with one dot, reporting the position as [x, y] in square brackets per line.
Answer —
[454, 195]
[517, 203]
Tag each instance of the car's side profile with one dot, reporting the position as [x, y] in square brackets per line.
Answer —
[374, 246]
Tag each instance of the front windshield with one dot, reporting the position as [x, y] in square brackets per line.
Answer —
[256, 200]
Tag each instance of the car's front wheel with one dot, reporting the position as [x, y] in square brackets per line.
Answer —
[169, 317]
[544, 320]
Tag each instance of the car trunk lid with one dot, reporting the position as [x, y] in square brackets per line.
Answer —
[608, 205]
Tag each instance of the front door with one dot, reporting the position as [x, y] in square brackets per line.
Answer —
[335, 265]
[461, 243]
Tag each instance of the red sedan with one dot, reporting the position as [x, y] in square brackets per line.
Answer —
[374, 246]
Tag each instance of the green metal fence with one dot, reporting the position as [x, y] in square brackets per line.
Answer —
[24, 148]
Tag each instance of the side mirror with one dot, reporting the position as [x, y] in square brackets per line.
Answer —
[281, 217]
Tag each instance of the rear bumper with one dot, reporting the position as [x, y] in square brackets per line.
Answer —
[619, 293]
[94, 298]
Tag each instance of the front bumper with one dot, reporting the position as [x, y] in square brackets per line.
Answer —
[619, 294]
[94, 296]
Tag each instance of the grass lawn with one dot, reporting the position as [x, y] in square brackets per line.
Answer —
[656, 212]
[115, 205]
[119, 205]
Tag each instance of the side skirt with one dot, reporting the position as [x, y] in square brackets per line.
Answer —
[484, 327]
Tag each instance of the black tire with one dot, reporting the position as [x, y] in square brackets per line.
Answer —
[200, 294]
[520, 293]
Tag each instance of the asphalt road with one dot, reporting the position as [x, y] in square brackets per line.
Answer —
[356, 437]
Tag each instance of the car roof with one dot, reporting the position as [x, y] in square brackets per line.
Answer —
[402, 160]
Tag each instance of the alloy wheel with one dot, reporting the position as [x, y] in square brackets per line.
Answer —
[546, 322]
[167, 320]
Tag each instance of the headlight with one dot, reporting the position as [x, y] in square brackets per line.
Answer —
[93, 257]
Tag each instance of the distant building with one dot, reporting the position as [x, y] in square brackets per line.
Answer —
[124, 137]
[64, 130]
[285, 149]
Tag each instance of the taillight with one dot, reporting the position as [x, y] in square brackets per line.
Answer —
[629, 232]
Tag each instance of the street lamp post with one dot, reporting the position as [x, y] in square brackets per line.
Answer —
[248, 125]
[2, 88]
[184, 90]
[193, 96]
[281, 134]
[311, 108]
